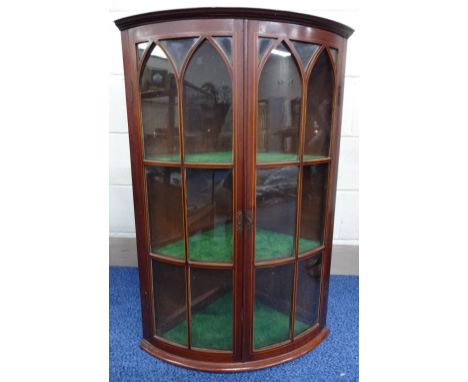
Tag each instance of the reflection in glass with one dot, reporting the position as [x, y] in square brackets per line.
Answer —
[165, 211]
[178, 49]
[211, 307]
[308, 293]
[209, 212]
[334, 54]
[306, 51]
[140, 49]
[314, 192]
[275, 212]
[272, 309]
[279, 108]
[263, 45]
[226, 45]
[207, 108]
[159, 108]
[319, 109]
[169, 302]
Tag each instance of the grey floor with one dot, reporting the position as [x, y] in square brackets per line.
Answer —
[345, 258]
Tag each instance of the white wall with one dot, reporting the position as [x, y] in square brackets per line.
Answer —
[121, 220]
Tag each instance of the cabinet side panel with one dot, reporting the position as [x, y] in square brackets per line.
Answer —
[332, 182]
[131, 88]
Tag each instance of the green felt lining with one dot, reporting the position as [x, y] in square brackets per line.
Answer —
[226, 157]
[212, 157]
[208, 157]
[212, 326]
[213, 245]
[313, 157]
[163, 157]
[216, 245]
[271, 326]
[274, 245]
[266, 157]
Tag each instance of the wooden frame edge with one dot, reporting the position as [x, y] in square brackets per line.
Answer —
[234, 366]
[243, 13]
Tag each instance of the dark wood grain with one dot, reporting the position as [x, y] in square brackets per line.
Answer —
[231, 13]
[139, 199]
[211, 365]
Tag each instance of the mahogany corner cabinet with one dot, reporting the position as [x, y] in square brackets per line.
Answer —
[234, 124]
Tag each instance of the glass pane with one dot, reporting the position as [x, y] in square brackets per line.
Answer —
[319, 109]
[207, 108]
[165, 211]
[276, 212]
[308, 293]
[226, 44]
[334, 54]
[209, 210]
[211, 307]
[272, 309]
[279, 108]
[314, 193]
[306, 51]
[169, 302]
[159, 108]
[178, 49]
[140, 49]
[263, 45]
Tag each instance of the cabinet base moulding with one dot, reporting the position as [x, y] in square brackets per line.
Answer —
[234, 366]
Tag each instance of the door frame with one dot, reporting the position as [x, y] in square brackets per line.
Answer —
[132, 70]
[286, 31]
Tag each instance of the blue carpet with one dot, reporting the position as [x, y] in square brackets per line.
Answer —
[336, 359]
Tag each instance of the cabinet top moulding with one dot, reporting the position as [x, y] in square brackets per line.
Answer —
[234, 13]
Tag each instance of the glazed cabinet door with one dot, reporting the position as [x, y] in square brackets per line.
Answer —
[291, 160]
[186, 84]
[234, 137]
